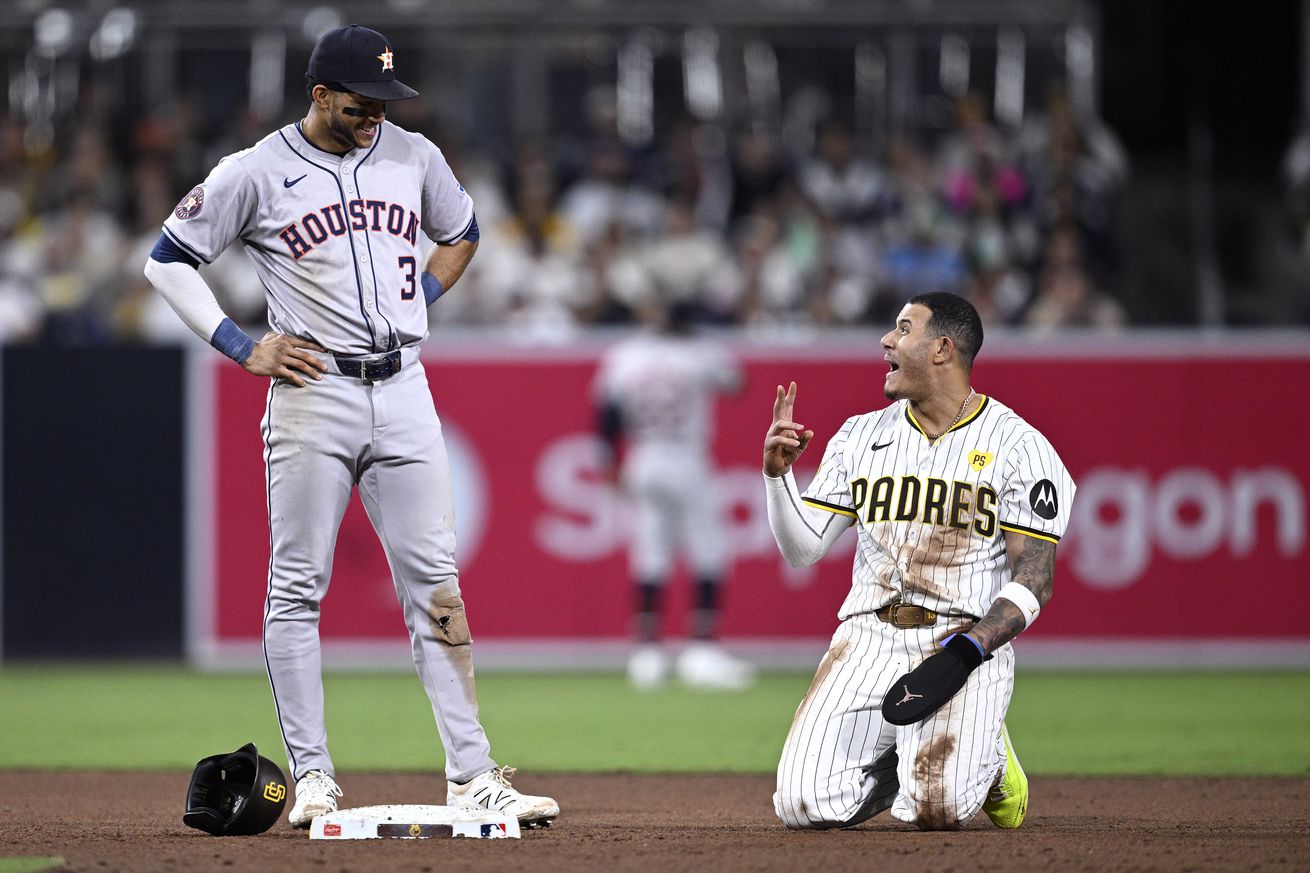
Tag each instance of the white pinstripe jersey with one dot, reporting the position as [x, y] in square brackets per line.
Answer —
[931, 517]
[334, 238]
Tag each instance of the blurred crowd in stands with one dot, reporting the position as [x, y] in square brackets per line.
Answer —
[592, 231]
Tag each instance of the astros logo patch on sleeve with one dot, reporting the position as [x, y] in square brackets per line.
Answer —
[190, 205]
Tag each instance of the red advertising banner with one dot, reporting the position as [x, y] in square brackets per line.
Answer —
[1190, 520]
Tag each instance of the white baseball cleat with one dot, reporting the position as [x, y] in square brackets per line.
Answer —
[647, 668]
[316, 794]
[492, 791]
[708, 667]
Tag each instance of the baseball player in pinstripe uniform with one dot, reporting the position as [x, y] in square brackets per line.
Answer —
[958, 505]
[333, 210]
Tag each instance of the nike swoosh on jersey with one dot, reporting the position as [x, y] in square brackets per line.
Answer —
[287, 183]
[877, 446]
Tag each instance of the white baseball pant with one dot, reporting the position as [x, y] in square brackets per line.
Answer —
[842, 763]
[320, 442]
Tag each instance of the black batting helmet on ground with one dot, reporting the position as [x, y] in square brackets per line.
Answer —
[236, 794]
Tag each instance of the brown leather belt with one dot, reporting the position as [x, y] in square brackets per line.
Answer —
[899, 614]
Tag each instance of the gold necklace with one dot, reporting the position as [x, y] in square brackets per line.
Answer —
[959, 415]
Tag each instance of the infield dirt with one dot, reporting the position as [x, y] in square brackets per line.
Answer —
[132, 822]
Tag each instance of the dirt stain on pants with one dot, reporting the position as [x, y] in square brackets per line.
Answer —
[835, 655]
[930, 780]
[449, 623]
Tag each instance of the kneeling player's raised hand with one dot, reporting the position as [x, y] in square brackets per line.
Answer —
[786, 439]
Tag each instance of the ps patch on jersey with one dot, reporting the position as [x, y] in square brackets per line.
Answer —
[190, 205]
[1043, 500]
[979, 460]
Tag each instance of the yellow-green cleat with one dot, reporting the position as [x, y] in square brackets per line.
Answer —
[1007, 802]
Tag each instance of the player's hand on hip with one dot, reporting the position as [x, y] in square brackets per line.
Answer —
[286, 357]
[786, 439]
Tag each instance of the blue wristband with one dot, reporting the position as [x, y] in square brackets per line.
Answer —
[977, 645]
[232, 341]
[431, 288]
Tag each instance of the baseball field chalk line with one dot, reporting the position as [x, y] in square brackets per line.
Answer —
[412, 822]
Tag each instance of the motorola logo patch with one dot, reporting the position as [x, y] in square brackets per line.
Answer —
[1043, 501]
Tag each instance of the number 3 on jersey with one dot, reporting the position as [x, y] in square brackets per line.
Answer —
[410, 266]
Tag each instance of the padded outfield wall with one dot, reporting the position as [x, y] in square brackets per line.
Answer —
[94, 532]
[1188, 545]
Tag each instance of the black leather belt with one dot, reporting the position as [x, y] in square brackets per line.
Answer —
[373, 368]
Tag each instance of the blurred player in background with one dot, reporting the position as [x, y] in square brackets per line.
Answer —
[655, 393]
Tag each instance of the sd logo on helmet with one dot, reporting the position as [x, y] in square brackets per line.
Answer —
[237, 794]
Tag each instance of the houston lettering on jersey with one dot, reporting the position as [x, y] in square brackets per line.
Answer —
[366, 215]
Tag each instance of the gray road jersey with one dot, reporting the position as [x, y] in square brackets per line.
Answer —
[665, 386]
[337, 240]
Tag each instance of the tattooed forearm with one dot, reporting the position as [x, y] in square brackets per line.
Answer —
[1033, 566]
[1001, 624]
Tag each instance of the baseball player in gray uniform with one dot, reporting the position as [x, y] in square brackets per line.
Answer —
[958, 505]
[656, 391]
[333, 210]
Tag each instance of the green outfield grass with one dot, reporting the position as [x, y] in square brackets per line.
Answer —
[29, 865]
[139, 717]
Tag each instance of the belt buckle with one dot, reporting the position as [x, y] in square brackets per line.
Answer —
[380, 369]
[896, 615]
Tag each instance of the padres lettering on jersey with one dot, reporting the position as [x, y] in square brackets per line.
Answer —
[932, 501]
[349, 224]
[929, 517]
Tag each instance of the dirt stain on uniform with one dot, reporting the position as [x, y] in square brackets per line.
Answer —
[835, 655]
[937, 549]
[450, 627]
[449, 622]
[930, 778]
